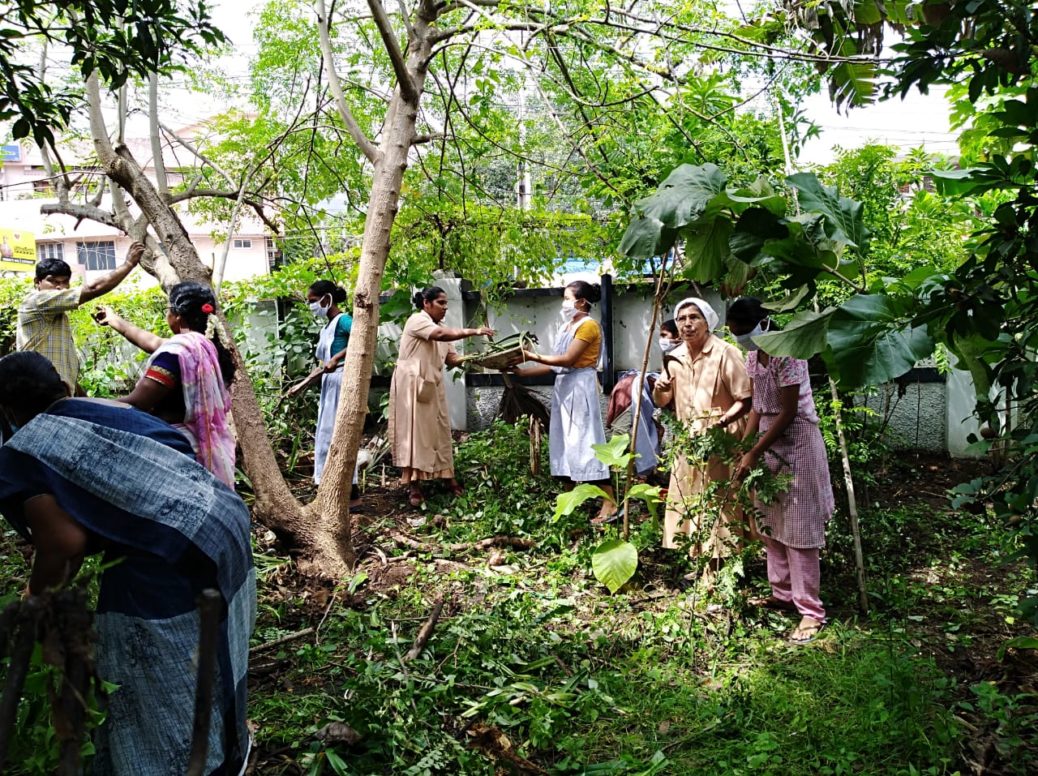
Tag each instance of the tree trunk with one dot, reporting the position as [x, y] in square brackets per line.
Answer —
[332, 501]
[275, 507]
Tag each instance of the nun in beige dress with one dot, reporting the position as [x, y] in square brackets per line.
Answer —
[705, 383]
[419, 425]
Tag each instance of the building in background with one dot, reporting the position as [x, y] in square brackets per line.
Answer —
[27, 236]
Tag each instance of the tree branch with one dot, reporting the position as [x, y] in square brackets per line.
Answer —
[396, 55]
[366, 146]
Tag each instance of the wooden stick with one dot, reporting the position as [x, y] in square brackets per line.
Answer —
[283, 640]
[17, 671]
[426, 631]
[209, 610]
[515, 542]
[852, 502]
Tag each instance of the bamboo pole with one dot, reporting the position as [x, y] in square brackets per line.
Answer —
[636, 397]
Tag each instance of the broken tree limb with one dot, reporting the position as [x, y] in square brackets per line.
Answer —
[426, 631]
[283, 640]
[515, 542]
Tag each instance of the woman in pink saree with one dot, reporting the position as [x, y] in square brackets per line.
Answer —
[186, 379]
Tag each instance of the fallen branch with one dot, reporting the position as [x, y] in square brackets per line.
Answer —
[515, 542]
[283, 640]
[426, 631]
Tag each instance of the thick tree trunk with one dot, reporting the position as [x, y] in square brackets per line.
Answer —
[332, 503]
[275, 507]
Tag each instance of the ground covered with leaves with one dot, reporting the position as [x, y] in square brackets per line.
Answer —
[532, 667]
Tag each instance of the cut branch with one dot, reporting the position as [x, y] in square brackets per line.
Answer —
[426, 631]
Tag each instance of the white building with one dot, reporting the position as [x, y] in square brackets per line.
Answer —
[91, 247]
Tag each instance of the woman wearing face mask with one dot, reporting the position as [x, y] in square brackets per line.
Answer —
[323, 298]
[576, 411]
[419, 425]
[793, 524]
[669, 338]
[705, 383]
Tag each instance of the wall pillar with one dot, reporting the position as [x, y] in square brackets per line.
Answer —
[455, 319]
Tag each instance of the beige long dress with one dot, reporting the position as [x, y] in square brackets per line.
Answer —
[700, 390]
[419, 425]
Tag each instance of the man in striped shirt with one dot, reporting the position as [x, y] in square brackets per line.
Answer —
[43, 324]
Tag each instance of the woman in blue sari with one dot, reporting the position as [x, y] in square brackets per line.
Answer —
[87, 476]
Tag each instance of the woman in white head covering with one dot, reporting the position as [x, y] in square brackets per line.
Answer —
[704, 381]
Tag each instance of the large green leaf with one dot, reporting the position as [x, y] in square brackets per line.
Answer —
[762, 194]
[682, 199]
[843, 216]
[614, 562]
[566, 503]
[706, 250]
[802, 337]
[650, 494]
[614, 453]
[871, 343]
[755, 226]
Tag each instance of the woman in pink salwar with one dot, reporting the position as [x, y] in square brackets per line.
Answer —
[785, 424]
[185, 381]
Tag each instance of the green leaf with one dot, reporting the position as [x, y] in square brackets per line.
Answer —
[871, 343]
[614, 453]
[706, 250]
[614, 563]
[789, 302]
[754, 227]
[843, 216]
[802, 337]
[650, 494]
[566, 503]
[1020, 642]
[682, 199]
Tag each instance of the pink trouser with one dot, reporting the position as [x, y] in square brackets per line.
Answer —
[795, 576]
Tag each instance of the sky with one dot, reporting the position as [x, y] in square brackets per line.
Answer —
[919, 120]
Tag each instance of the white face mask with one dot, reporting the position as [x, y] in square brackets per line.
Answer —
[320, 310]
[667, 344]
[568, 311]
[746, 340]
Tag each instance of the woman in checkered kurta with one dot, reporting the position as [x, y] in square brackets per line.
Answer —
[788, 441]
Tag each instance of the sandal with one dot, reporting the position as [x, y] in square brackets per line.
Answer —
[806, 631]
[603, 517]
[456, 488]
[415, 497]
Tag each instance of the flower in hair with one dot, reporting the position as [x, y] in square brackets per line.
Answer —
[207, 309]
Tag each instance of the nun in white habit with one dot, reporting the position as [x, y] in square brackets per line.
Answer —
[576, 407]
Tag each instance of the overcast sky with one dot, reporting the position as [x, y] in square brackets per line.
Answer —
[919, 120]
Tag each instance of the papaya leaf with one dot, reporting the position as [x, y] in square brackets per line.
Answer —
[566, 503]
[614, 563]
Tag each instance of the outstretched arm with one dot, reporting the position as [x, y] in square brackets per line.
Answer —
[145, 340]
[101, 286]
